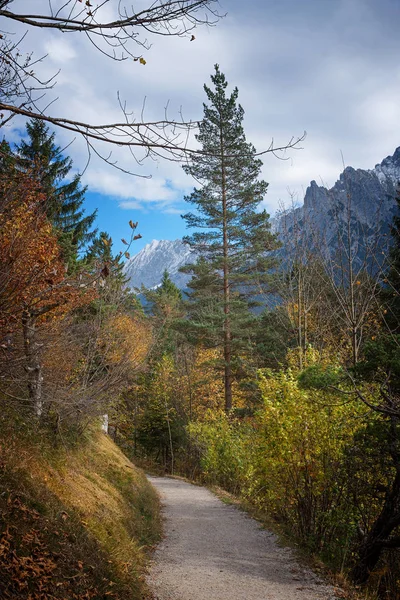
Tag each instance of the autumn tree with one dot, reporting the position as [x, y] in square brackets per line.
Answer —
[105, 342]
[354, 269]
[233, 236]
[306, 301]
[376, 382]
[34, 286]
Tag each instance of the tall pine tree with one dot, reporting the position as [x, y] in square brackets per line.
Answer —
[64, 194]
[235, 236]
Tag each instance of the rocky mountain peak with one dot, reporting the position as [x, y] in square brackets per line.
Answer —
[389, 168]
[147, 267]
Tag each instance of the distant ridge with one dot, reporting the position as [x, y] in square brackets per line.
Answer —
[372, 193]
[147, 267]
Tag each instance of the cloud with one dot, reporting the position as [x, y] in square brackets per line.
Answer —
[130, 205]
[172, 211]
[59, 51]
[155, 189]
[330, 68]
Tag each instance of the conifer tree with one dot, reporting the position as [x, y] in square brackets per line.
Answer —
[100, 249]
[7, 158]
[165, 301]
[204, 319]
[101, 258]
[64, 194]
[165, 306]
[234, 237]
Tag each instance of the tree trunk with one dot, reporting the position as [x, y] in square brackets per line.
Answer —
[379, 536]
[299, 325]
[33, 364]
[227, 322]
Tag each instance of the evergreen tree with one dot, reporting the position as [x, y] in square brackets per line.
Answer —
[274, 337]
[7, 158]
[100, 258]
[235, 236]
[165, 301]
[64, 194]
[204, 319]
[100, 250]
[165, 305]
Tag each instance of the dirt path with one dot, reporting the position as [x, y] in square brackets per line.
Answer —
[213, 551]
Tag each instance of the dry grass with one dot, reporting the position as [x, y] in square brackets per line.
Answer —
[91, 512]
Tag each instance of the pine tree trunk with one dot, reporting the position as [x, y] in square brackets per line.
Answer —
[33, 364]
[227, 322]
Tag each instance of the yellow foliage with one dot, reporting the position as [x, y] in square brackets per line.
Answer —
[126, 338]
[207, 384]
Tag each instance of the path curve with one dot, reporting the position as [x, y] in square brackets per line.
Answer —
[214, 551]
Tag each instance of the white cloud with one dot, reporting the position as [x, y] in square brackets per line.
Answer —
[140, 189]
[59, 51]
[172, 211]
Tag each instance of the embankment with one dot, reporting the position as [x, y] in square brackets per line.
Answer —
[75, 522]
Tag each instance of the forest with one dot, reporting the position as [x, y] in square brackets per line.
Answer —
[275, 376]
[293, 408]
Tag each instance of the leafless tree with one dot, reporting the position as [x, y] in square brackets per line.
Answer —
[300, 283]
[355, 268]
[119, 32]
[334, 261]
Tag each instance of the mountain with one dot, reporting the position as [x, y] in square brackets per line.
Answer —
[370, 195]
[147, 267]
[366, 197]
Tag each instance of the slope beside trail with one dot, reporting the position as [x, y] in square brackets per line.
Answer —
[214, 551]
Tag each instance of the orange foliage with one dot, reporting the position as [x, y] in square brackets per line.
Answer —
[32, 274]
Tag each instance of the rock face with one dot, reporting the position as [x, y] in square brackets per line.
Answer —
[365, 198]
[147, 267]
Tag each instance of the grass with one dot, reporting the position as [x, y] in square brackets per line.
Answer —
[75, 523]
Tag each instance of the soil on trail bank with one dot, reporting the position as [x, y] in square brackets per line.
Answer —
[214, 551]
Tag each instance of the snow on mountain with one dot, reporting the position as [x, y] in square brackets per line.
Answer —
[147, 267]
[389, 169]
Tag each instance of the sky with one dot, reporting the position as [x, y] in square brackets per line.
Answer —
[327, 67]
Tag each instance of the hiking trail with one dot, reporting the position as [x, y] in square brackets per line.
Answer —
[214, 551]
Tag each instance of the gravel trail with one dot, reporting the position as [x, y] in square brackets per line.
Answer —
[213, 551]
